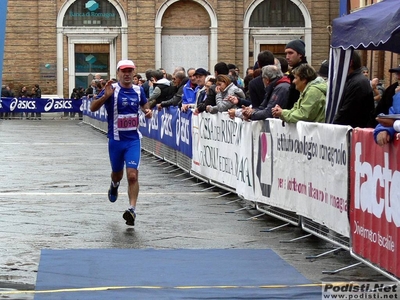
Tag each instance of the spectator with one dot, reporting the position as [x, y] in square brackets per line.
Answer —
[385, 130]
[295, 56]
[226, 89]
[38, 95]
[220, 68]
[92, 89]
[357, 103]
[163, 90]
[387, 97]
[189, 90]
[374, 85]
[256, 86]
[97, 77]
[164, 72]
[246, 81]
[199, 94]
[211, 94]
[74, 96]
[136, 79]
[24, 93]
[179, 79]
[311, 104]
[201, 75]
[284, 65]
[249, 71]
[277, 90]
[5, 92]
[146, 85]
[324, 70]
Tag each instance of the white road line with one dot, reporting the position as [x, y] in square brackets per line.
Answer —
[59, 143]
[93, 193]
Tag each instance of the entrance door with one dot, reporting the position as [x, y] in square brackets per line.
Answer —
[91, 59]
[277, 49]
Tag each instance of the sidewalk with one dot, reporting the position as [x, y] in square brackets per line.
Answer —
[54, 179]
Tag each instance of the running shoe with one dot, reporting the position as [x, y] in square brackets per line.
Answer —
[129, 216]
[113, 193]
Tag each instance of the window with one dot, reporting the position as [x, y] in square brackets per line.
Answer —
[92, 13]
[277, 13]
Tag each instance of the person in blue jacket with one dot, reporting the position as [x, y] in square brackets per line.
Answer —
[384, 131]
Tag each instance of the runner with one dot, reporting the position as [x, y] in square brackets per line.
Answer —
[122, 101]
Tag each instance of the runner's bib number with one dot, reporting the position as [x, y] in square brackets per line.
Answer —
[128, 122]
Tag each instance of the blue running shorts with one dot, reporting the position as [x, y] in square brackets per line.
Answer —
[124, 152]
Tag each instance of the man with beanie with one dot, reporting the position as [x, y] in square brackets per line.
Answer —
[295, 55]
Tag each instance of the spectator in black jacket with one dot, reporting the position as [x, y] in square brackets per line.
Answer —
[256, 86]
[38, 95]
[357, 103]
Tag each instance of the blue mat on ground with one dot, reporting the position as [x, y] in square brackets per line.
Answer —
[169, 274]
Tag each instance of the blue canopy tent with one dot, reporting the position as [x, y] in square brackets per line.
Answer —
[376, 27]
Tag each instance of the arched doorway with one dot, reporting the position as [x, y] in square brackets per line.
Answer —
[177, 45]
[87, 41]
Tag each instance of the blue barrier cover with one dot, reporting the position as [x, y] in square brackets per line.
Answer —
[169, 126]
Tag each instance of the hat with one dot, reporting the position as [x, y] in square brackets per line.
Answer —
[324, 69]
[125, 64]
[201, 71]
[395, 70]
[298, 46]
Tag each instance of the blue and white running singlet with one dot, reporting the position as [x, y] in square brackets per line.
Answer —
[123, 112]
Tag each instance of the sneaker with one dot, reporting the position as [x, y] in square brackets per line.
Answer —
[113, 193]
[129, 216]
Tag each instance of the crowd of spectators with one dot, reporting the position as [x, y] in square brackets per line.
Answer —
[275, 87]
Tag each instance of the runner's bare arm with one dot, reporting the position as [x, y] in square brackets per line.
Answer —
[147, 111]
[97, 103]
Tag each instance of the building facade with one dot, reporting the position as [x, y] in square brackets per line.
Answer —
[61, 44]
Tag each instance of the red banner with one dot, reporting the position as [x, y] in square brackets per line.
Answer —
[375, 201]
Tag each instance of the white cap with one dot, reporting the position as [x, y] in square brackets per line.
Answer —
[125, 64]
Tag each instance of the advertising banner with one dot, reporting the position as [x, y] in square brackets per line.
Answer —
[17, 105]
[100, 115]
[303, 168]
[324, 158]
[222, 150]
[375, 201]
[277, 179]
[171, 127]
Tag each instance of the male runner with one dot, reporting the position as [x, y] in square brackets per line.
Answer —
[122, 101]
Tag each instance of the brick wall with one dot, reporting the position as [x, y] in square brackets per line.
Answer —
[31, 34]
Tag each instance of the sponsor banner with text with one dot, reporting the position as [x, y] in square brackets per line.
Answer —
[171, 127]
[375, 200]
[44, 105]
[323, 154]
[222, 151]
[303, 168]
[100, 115]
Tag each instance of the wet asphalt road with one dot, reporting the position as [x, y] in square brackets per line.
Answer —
[54, 177]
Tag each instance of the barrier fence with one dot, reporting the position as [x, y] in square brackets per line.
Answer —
[334, 182]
